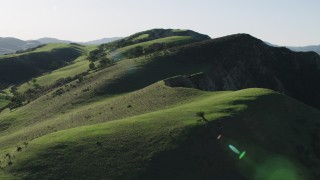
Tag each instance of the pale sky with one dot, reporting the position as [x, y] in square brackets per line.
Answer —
[281, 22]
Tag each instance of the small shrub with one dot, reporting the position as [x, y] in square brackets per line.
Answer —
[201, 115]
[19, 148]
[99, 144]
[92, 66]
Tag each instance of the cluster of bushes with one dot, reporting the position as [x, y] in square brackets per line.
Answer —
[19, 99]
[139, 50]
[99, 55]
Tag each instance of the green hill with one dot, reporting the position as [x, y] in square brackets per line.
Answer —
[140, 118]
[20, 67]
[147, 42]
[150, 46]
[153, 34]
[172, 144]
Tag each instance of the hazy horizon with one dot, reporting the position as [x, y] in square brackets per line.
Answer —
[285, 23]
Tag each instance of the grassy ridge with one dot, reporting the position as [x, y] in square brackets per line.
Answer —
[79, 66]
[21, 67]
[38, 122]
[45, 48]
[135, 145]
[4, 100]
[169, 41]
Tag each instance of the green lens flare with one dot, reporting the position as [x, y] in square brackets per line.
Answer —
[234, 149]
[242, 154]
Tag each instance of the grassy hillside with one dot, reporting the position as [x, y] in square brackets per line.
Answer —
[167, 41]
[123, 121]
[4, 98]
[3, 101]
[153, 34]
[173, 144]
[79, 66]
[147, 42]
[24, 66]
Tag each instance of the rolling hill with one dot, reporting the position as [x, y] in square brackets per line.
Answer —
[172, 144]
[17, 68]
[150, 41]
[139, 118]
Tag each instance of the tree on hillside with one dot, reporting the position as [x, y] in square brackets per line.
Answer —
[136, 52]
[95, 55]
[34, 83]
[104, 61]
[92, 66]
[201, 114]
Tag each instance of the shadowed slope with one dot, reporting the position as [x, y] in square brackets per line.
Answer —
[171, 144]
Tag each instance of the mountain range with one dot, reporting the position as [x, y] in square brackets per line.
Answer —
[10, 45]
[315, 48]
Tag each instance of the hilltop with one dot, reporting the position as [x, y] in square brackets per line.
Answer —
[147, 42]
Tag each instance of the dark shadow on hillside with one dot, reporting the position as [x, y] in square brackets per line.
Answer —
[201, 156]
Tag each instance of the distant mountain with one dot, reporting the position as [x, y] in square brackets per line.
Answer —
[48, 40]
[11, 45]
[103, 41]
[315, 48]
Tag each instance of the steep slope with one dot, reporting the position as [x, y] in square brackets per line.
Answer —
[20, 67]
[242, 61]
[173, 144]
